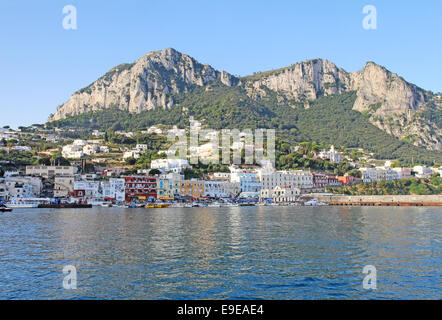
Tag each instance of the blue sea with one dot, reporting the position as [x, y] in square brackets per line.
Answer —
[222, 253]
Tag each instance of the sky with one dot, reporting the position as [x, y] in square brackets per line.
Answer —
[42, 63]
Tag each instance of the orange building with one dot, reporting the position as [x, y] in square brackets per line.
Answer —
[346, 180]
[192, 188]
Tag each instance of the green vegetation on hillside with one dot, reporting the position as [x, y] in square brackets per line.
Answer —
[412, 186]
[327, 120]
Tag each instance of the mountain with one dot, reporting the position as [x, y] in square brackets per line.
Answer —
[144, 85]
[394, 105]
[170, 85]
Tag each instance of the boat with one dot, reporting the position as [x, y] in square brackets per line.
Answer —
[314, 203]
[214, 205]
[158, 205]
[4, 208]
[26, 202]
[107, 204]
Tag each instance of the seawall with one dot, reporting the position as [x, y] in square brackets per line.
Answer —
[393, 200]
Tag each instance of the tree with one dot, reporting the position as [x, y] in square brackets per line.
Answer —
[154, 172]
[131, 161]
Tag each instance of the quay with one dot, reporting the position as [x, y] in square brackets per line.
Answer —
[382, 200]
[64, 206]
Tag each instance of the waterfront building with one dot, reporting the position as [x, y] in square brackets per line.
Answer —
[50, 171]
[114, 189]
[165, 189]
[140, 188]
[214, 189]
[296, 179]
[175, 182]
[24, 186]
[248, 181]
[285, 194]
[231, 189]
[192, 188]
[63, 186]
[4, 193]
[86, 190]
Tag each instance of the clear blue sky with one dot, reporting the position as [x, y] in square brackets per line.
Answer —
[42, 64]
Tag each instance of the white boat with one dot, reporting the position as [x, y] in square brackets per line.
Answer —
[26, 202]
[314, 203]
[214, 205]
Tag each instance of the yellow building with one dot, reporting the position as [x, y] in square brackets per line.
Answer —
[165, 189]
[192, 188]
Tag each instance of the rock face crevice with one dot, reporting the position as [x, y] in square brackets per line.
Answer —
[394, 105]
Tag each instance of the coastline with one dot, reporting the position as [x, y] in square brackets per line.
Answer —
[382, 200]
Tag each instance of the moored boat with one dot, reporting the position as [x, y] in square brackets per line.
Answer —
[4, 208]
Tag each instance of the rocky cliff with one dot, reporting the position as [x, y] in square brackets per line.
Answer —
[392, 104]
[146, 84]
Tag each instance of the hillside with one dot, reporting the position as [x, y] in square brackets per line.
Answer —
[328, 120]
[312, 100]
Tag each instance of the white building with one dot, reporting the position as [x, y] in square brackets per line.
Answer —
[132, 154]
[87, 190]
[331, 155]
[403, 173]
[21, 148]
[170, 165]
[175, 179]
[214, 189]
[378, 174]
[4, 193]
[153, 129]
[90, 149]
[220, 175]
[285, 194]
[141, 147]
[248, 181]
[63, 186]
[113, 189]
[294, 179]
[422, 171]
[72, 151]
[98, 133]
[50, 171]
[24, 187]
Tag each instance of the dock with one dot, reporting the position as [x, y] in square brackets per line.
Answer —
[64, 206]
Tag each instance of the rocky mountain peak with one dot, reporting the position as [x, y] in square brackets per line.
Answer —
[148, 83]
